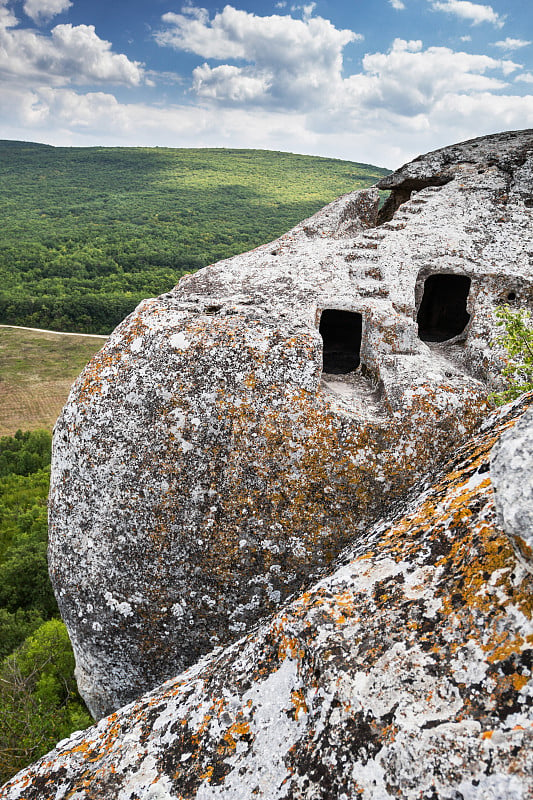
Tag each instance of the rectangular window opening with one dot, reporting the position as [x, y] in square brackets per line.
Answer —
[442, 314]
[341, 334]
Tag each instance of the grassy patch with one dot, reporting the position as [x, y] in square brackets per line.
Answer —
[36, 373]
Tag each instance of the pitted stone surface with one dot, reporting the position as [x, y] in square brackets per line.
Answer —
[511, 472]
[404, 673]
[205, 468]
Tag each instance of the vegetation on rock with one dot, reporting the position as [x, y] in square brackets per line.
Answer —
[517, 341]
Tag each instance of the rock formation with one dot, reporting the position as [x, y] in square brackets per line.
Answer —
[235, 434]
[404, 673]
[511, 473]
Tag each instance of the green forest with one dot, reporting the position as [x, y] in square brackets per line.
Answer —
[39, 702]
[89, 232]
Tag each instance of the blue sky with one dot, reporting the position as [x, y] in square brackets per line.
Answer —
[378, 81]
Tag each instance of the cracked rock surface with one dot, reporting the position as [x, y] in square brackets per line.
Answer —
[217, 454]
[405, 672]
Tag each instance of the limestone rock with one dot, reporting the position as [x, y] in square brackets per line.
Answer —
[511, 472]
[405, 673]
[235, 434]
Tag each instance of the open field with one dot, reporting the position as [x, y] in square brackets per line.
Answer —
[36, 372]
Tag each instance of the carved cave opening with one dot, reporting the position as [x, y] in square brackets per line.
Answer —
[341, 333]
[442, 314]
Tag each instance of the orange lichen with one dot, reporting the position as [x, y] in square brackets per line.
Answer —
[234, 732]
[299, 703]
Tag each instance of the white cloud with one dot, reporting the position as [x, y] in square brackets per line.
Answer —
[525, 77]
[473, 12]
[373, 135]
[239, 34]
[63, 116]
[291, 62]
[7, 16]
[397, 4]
[511, 44]
[306, 9]
[408, 81]
[70, 54]
[40, 10]
[285, 90]
[230, 83]
[465, 38]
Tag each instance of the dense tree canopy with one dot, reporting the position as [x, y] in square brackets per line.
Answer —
[89, 232]
[39, 702]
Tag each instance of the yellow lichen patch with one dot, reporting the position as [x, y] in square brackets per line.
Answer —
[519, 681]
[502, 646]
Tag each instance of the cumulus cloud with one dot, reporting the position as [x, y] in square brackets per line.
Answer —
[472, 12]
[64, 116]
[397, 4]
[70, 54]
[280, 85]
[511, 44]
[412, 79]
[296, 66]
[306, 9]
[370, 134]
[289, 61]
[40, 10]
[239, 34]
[525, 77]
[230, 83]
[7, 16]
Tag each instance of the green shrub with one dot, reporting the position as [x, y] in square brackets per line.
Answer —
[517, 341]
[39, 702]
[15, 626]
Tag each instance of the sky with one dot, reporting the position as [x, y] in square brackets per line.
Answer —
[377, 81]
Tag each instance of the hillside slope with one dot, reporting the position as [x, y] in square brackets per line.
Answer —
[88, 232]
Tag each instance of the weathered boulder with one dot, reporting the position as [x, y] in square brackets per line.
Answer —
[236, 433]
[405, 673]
[511, 473]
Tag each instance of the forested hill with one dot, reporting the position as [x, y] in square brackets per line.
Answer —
[88, 232]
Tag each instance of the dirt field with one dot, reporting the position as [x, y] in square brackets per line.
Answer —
[36, 372]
